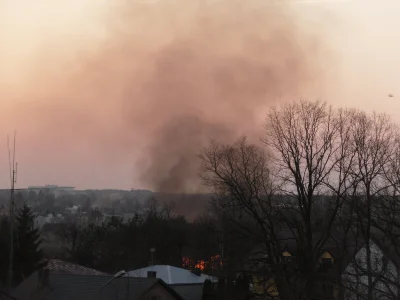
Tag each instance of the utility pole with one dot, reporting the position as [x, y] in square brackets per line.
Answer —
[13, 177]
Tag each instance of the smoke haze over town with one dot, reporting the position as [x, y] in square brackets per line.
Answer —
[125, 96]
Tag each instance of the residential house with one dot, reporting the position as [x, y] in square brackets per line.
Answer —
[60, 280]
[342, 268]
[187, 283]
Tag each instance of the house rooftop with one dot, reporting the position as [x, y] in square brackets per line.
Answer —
[172, 275]
[64, 267]
[59, 286]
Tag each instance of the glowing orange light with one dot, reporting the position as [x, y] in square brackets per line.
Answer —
[212, 264]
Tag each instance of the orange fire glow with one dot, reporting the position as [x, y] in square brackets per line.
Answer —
[214, 263]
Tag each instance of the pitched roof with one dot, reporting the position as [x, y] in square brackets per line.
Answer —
[172, 275]
[87, 287]
[60, 266]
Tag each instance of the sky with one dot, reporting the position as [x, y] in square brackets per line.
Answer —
[124, 94]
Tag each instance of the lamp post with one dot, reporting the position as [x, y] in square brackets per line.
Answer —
[116, 276]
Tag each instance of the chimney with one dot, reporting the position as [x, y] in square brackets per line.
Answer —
[151, 274]
[152, 254]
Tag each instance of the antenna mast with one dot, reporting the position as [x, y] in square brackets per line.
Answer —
[13, 174]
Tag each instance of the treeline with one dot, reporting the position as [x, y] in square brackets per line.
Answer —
[210, 244]
[118, 245]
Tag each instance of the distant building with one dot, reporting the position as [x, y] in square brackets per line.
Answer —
[52, 187]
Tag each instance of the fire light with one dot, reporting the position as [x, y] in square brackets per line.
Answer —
[214, 263]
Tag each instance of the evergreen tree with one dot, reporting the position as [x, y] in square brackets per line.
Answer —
[28, 255]
[4, 249]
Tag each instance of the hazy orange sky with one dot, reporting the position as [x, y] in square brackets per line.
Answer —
[114, 94]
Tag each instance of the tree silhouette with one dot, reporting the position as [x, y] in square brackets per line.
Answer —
[326, 178]
[4, 249]
[28, 253]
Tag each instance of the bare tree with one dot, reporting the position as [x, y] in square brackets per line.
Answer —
[169, 209]
[312, 157]
[314, 187]
[307, 143]
[373, 142]
[69, 235]
[240, 177]
[387, 218]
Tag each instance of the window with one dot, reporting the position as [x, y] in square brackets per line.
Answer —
[327, 255]
[325, 264]
[287, 256]
[271, 288]
[326, 261]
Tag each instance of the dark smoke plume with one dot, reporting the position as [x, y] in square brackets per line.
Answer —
[211, 82]
[170, 76]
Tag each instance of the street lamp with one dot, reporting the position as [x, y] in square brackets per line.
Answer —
[116, 276]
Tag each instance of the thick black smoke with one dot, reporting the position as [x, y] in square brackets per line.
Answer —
[168, 77]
